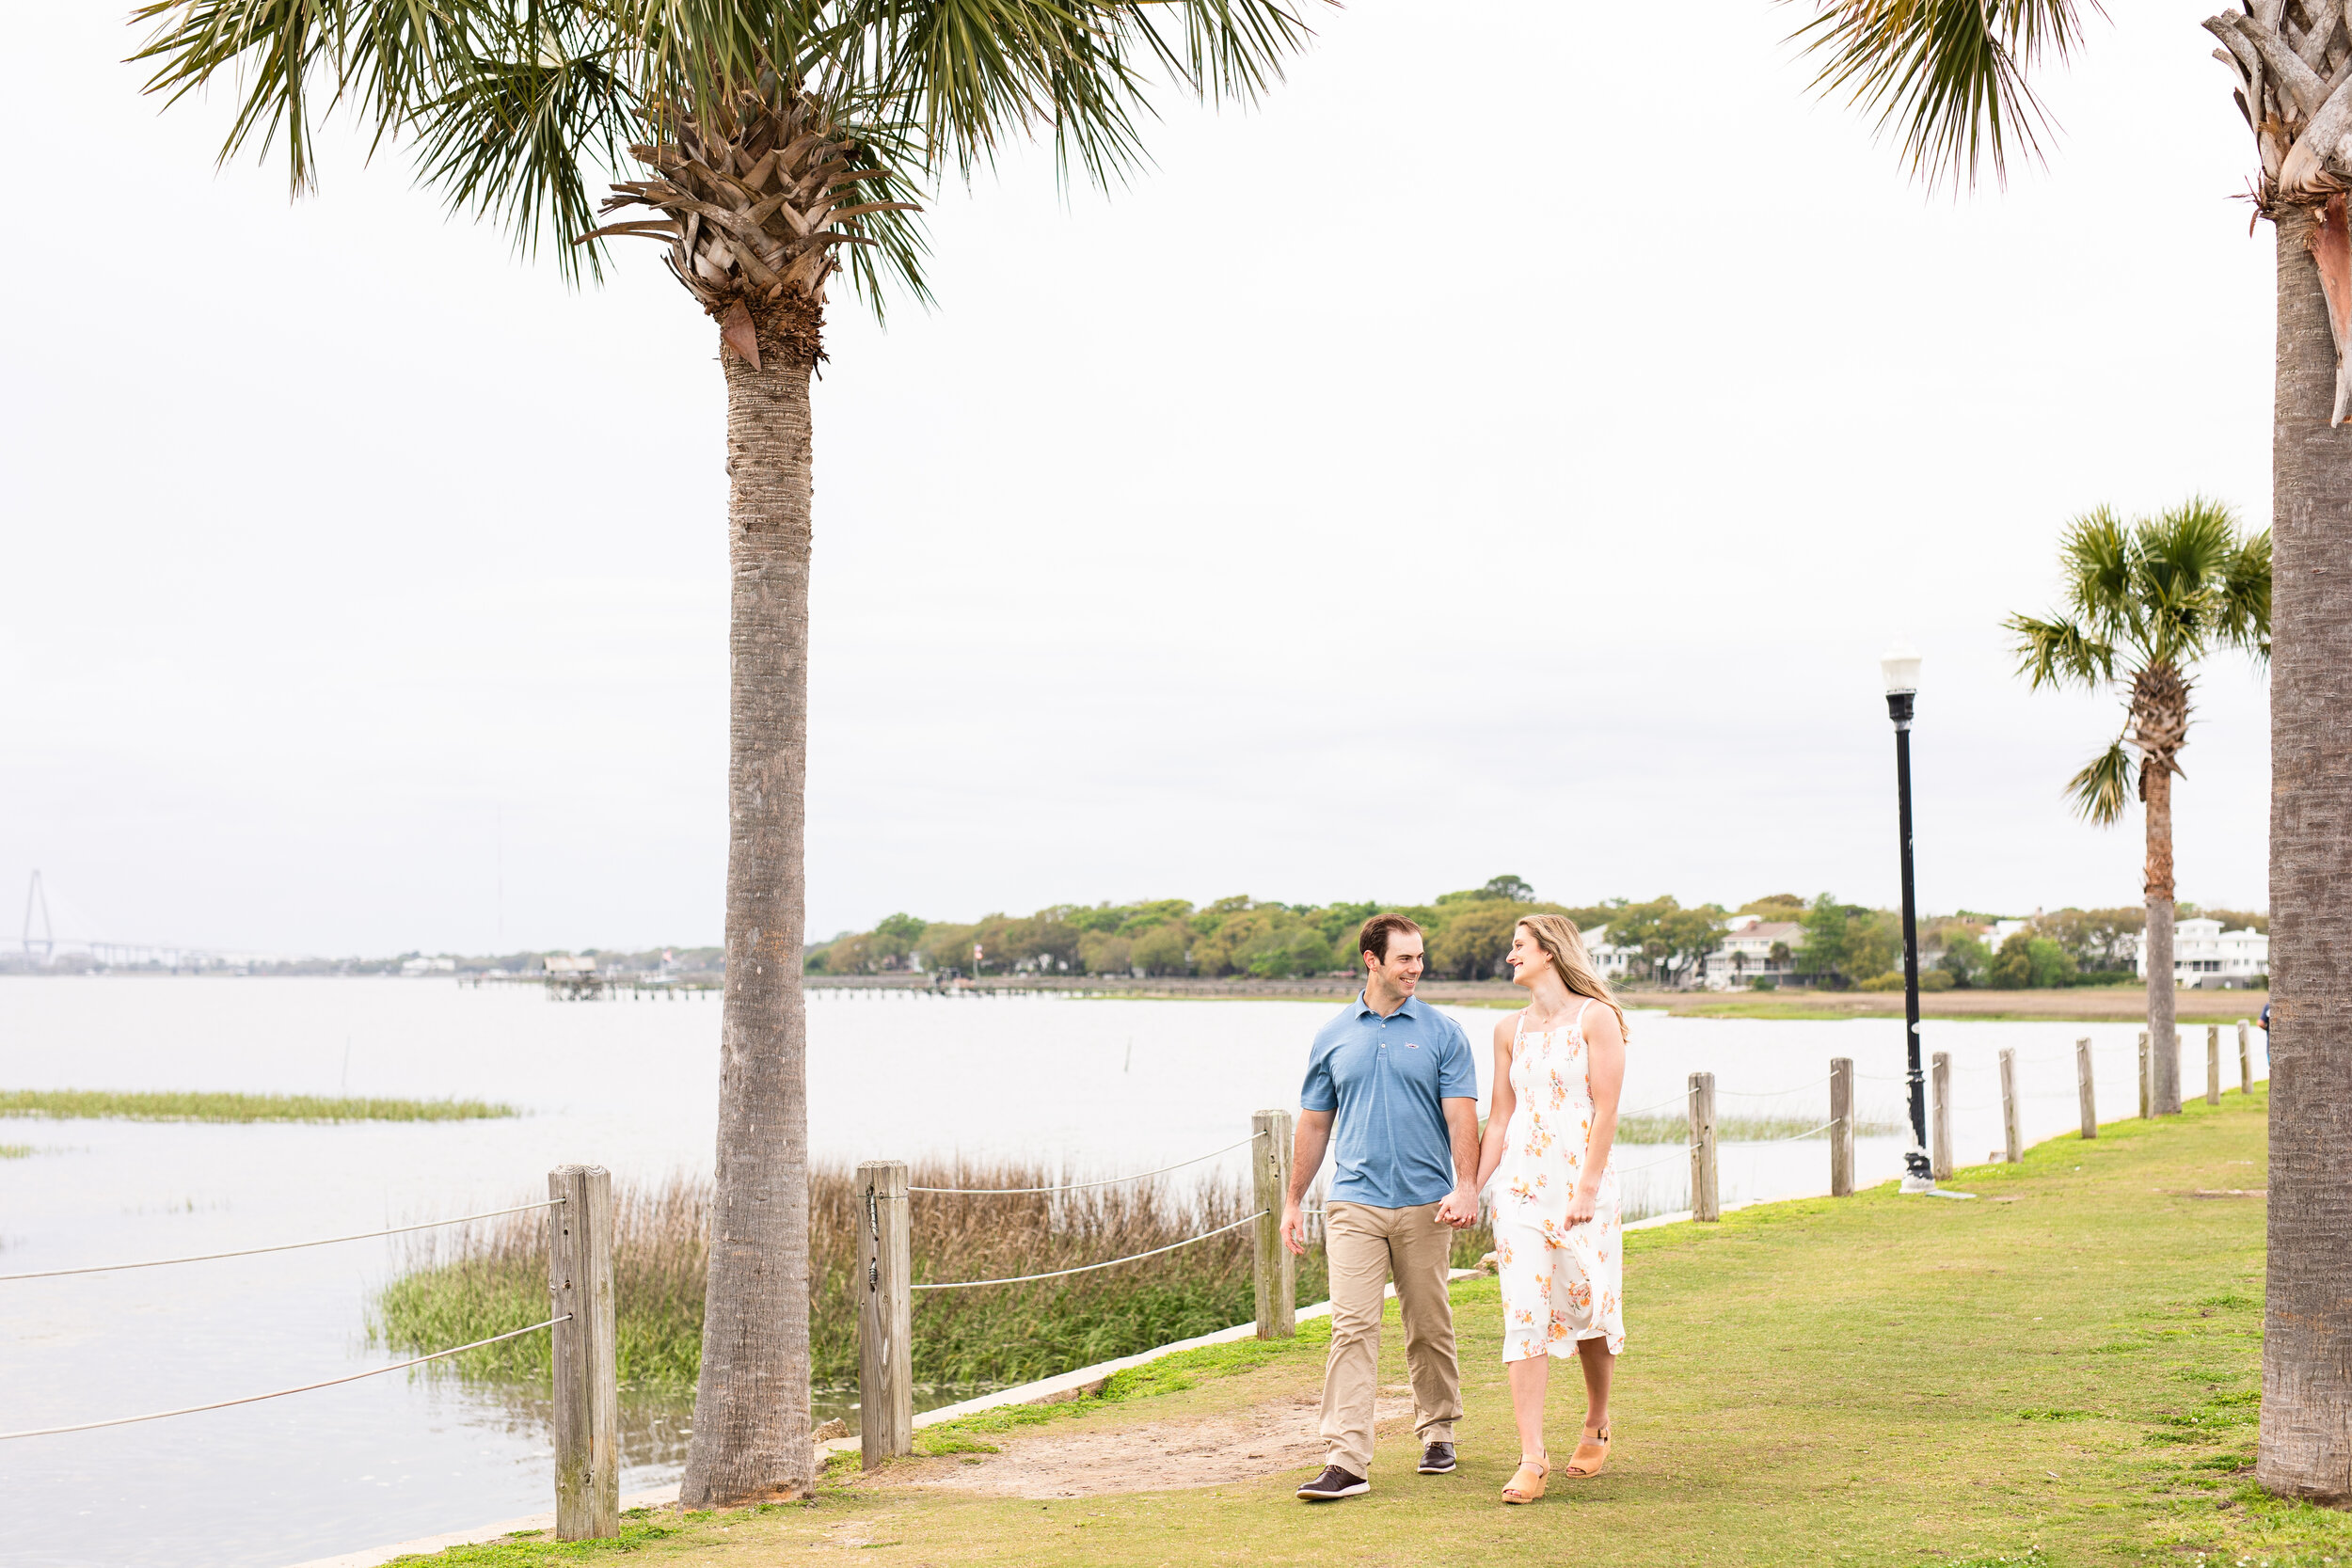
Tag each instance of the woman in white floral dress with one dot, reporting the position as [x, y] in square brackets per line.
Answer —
[1559, 1066]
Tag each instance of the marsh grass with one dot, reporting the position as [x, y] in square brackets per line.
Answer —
[490, 1277]
[188, 1105]
[1676, 1129]
[16, 1152]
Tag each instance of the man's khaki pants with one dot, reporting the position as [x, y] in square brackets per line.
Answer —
[1365, 1245]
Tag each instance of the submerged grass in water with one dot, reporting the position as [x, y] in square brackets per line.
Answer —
[492, 1278]
[191, 1105]
[16, 1152]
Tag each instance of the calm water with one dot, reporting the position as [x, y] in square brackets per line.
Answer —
[1102, 1086]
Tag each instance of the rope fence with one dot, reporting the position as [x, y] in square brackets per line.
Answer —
[1809, 1132]
[1082, 1186]
[1773, 1094]
[1846, 1127]
[281, 1246]
[281, 1393]
[584, 1354]
[1088, 1268]
[584, 1348]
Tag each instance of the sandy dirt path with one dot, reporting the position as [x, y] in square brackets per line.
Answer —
[1087, 1460]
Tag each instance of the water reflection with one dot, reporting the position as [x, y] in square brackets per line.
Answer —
[656, 1424]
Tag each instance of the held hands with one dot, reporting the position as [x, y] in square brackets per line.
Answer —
[1460, 1207]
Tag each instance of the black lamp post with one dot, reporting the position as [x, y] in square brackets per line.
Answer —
[1902, 667]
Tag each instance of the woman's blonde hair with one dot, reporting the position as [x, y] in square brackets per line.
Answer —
[1557, 935]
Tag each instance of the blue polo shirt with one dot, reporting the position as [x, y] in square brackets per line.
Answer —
[1386, 1077]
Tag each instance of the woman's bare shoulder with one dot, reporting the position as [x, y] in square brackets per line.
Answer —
[1507, 1027]
[1600, 1025]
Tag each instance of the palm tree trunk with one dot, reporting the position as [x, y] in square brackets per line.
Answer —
[2306, 1447]
[751, 1409]
[2156, 777]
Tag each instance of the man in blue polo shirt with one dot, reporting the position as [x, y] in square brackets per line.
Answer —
[1393, 1091]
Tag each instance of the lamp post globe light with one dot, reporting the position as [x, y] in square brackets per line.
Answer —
[1901, 666]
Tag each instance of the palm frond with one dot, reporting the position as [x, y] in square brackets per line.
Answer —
[2059, 653]
[2095, 560]
[1952, 73]
[2104, 789]
[521, 106]
[276, 44]
[2178, 558]
[982, 67]
[895, 257]
[2243, 617]
[1232, 49]
[520, 131]
[968, 73]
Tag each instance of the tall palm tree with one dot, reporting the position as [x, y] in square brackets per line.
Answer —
[2145, 601]
[1953, 76]
[781, 142]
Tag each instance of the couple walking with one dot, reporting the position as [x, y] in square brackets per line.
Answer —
[1391, 1092]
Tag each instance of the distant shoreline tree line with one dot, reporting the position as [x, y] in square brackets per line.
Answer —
[1840, 945]
[1847, 946]
[1468, 934]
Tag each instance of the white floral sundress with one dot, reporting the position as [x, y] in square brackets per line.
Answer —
[1561, 1283]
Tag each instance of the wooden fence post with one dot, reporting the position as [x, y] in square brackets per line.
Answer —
[2013, 1147]
[1706, 1197]
[2086, 1089]
[1276, 1270]
[2245, 1060]
[2147, 1066]
[1940, 1118]
[886, 1316]
[1842, 1127]
[585, 1354]
[2213, 1063]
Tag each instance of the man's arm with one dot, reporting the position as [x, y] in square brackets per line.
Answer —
[1458, 1098]
[1460, 1211]
[1307, 1147]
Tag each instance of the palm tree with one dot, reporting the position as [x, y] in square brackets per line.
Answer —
[2144, 602]
[783, 142]
[1954, 75]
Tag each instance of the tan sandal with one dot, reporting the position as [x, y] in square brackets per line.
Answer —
[1527, 1482]
[1591, 1454]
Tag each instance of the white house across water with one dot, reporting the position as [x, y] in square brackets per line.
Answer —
[2205, 957]
[1745, 956]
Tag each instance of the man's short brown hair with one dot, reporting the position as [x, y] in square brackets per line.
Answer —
[1374, 938]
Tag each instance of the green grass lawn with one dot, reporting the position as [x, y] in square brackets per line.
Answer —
[2063, 1372]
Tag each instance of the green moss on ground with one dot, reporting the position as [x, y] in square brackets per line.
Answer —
[2062, 1373]
[185, 1105]
[640, 1528]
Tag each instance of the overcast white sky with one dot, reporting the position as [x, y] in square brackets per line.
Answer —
[1472, 460]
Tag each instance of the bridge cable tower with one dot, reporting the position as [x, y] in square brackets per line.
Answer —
[36, 899]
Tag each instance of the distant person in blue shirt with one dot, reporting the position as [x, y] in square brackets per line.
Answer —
[1392, 1093]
